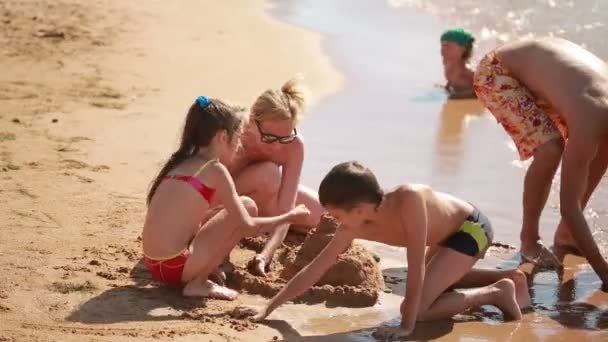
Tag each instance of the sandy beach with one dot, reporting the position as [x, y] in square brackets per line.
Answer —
[92, 98]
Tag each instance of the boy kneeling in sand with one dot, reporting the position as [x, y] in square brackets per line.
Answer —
[415, 217]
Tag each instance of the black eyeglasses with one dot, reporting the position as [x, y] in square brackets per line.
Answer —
[271, 138]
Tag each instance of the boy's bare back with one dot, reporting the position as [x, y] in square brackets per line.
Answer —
[444, 213]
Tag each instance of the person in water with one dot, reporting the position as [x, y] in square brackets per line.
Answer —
[456, 51]
[551, 97]
[444, 236]
[195, 216]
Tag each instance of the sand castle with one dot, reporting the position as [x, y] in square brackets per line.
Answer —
[354, 281]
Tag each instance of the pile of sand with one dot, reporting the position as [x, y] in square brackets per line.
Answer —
[354, 280]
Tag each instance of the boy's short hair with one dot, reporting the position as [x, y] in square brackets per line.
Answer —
[347, 185]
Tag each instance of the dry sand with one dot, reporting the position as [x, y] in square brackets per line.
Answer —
[92, 95]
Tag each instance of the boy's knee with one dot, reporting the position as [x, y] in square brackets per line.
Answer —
[518, 276]
[423, 316]
[250, 205]
[423, 308]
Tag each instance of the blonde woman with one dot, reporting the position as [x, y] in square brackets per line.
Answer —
[269, 163]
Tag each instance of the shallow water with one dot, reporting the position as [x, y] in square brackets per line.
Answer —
[391, 115]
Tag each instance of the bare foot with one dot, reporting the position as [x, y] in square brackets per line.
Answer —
[505, 299]
[218, 276]
[522, 293]
[258, 266]
[209, 289]
[563, 242]
[538, 254]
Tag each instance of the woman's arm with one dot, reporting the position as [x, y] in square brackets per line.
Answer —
[290, 179]
[226, 192]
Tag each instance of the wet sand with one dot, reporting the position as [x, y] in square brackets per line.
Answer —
[406, 130]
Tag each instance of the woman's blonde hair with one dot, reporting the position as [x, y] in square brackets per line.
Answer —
[284, 104]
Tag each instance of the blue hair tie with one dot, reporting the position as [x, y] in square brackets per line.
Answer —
[203, 101]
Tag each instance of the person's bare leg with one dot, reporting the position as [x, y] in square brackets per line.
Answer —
[537, 185]
[217, 276]
[261, 182]
[214, 241]
[500, 294]
[204, 285]
[563, 242]
[581, 150]
[444, 270]
[484, 277]
[201, 285]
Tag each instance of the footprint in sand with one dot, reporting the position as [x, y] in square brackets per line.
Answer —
[107, 275]
[40, 251]
[19, 91]
[104, 97]
[67, 275]
[82, 179]
[109, 94]
[79, 139]
[108, 104]
[69, 268]
[39, 217]
[7, 136]
[66, 149]
[74, 164]
[100, 168]
[24, 192]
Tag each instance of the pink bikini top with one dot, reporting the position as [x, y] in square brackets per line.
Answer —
[205, 191]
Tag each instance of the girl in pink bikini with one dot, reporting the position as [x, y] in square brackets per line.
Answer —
[195, 216]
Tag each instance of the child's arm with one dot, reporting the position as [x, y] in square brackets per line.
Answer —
[414, 219]
[310, 274]
[228, 196]
[290, 179]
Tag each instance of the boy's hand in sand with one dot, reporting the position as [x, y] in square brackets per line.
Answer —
[392, 333]
[299, 214]
[253, 314]
[260, 315]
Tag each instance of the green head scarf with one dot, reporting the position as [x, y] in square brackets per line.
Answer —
[459, 36]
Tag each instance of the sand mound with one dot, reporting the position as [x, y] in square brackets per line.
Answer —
[354, 281]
